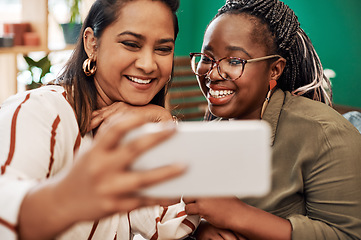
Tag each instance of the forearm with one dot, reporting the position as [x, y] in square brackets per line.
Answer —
[150, 112]
[254, 223]
[233, 214]
[43, 214]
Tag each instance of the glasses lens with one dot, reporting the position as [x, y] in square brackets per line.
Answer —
[231, 68]
[201, 64]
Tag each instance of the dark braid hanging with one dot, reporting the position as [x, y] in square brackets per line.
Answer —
[303, 74]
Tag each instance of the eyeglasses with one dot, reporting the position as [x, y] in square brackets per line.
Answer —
[229, 68]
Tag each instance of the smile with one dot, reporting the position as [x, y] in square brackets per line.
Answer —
[140, 81]
[220, 93]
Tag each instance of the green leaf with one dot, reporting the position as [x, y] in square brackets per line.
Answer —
[74, 11]
[44, 64]
[29, 61]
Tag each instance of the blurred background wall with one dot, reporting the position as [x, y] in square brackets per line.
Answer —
[333, 26]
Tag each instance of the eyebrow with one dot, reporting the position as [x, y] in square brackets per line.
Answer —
[166, 40]
[235, 48]
[230, 48]
[141, 37]
[131, 33]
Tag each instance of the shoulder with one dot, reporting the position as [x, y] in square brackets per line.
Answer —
[316, 118]
[316, 135]
[36, 126]
[42, 94]
[299, 117]
[38, 108]
[312, 111]
[47, 99]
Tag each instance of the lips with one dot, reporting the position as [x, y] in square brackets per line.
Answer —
[138, 80]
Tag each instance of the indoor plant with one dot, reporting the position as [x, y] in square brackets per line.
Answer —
[38, 70]
[72, 29]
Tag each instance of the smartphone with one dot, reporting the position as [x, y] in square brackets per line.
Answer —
[224, 158]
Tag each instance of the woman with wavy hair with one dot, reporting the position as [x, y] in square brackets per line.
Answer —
[65, 172]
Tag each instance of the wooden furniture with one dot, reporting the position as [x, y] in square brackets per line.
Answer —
[36, 13]
[185, 99]
[344, 109]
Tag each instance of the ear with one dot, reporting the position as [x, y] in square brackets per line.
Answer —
[90, 43]
[277, 68]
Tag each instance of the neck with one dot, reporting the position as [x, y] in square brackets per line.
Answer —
[102, 99]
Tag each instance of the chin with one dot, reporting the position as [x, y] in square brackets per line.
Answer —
[218, 112]
[138, 103]
[141, 102]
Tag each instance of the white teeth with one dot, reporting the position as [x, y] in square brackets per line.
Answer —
[220, 94]
[141, 81]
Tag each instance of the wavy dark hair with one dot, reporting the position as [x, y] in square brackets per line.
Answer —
[81, 90]
[303, 73]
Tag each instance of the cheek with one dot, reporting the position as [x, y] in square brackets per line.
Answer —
[202, 84]
[257, 80]
[113, 56]
[108, 63]
[165, 65]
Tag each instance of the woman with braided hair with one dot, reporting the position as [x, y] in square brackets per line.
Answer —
[257, 63]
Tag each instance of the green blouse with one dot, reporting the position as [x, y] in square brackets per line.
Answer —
[316, 164]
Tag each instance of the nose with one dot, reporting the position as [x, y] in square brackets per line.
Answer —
[213, 74]
[146, 62]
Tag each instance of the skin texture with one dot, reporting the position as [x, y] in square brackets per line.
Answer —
[151, 112]
[133, 46]
[206, 230]
[225, 38]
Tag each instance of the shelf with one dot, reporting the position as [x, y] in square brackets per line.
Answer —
[67, 47]
[34, 12]
[27, 49]
[22, 49]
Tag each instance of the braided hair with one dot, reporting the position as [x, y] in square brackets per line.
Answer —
[303, 73]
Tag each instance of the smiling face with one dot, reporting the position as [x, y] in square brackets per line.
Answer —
[134, 55]
[233, 35]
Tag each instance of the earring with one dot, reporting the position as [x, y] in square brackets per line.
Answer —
[272, 85]
[89, 66]
[169, 79]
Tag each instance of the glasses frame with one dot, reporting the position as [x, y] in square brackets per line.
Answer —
[216, 62]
